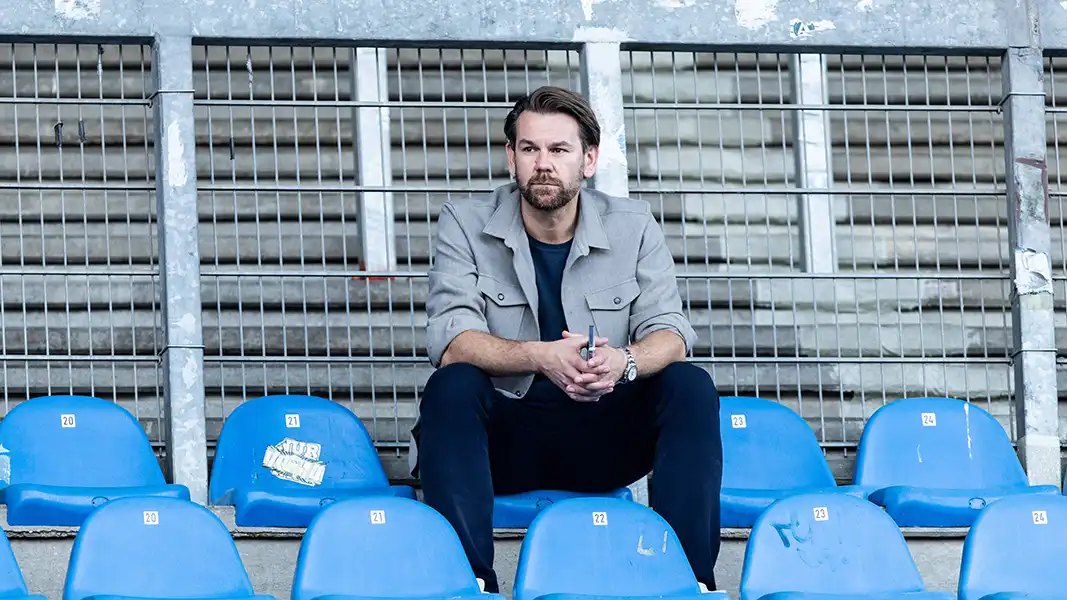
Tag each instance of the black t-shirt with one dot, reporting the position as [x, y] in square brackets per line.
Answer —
[549, 261]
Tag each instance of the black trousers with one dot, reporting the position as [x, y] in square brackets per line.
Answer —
[474, 442]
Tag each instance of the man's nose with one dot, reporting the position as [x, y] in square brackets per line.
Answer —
[542, 162]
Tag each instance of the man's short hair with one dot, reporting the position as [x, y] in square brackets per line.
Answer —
[551, 99]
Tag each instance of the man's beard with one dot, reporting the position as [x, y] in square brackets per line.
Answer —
[548, 194]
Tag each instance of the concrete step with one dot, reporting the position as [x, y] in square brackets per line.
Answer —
[270, 165]
[299, 245]
[460, 126]
[708, 85]
[739, 332]
[710, 202]
[835, 396]
[254, 288]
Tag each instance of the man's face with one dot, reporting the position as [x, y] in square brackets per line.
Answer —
[547, 160]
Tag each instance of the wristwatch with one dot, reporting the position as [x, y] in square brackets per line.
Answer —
[630, 372]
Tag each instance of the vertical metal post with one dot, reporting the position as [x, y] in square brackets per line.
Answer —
[373, 165]
[601, 79]
[601, 76]
[183, 352]
[1033, 326]
[814, 170]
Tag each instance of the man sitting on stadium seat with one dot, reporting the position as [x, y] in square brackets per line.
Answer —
[514, 406]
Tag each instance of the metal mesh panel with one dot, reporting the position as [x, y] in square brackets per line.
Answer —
[1056, 129]
[79, 297]
[286, 309]
[919, 302]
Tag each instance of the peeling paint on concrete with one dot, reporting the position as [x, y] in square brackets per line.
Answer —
[190, 372]
[1033, 273]
[753, 14]
[587, 7]
[802, 29]
[78, 9]
[675, 4]
[177, 177]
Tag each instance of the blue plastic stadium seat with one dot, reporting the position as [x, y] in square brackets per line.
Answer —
[12, 584]
[769, 453]
[280, 459]
[829, 546]
[382, 547]
[153, 548]
[936, 462]
[63, 456]
[582, 548]
[1015, 549]
[517, 511]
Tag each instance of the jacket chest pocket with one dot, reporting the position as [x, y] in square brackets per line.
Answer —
[610, 307]
[505, 306]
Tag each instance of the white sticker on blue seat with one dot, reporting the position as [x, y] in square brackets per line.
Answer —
[820, 513]
[67, 421]
[151, 517]
[929, 419]
[738, 421]
[377, 517]
[295, 461]
[600, 518]
[1040, 517]
[292, 421]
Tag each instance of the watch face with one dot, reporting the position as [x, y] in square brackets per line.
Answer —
[631, 373]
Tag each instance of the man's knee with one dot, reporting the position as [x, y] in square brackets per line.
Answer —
[453, 389]
[690, 387]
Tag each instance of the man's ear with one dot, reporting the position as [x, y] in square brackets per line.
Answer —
[591, 157]
[510, 150]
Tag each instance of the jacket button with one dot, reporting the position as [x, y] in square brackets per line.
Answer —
[618, 300]
[500, 296]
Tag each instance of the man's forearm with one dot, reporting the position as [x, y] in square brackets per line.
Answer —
[495, 356]
[657, 350]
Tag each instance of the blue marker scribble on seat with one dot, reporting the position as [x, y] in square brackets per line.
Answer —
[829, 546]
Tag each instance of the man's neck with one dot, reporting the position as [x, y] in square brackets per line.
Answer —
[554, 227]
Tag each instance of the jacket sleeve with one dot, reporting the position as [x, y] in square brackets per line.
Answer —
[454, 304]
[659, 305]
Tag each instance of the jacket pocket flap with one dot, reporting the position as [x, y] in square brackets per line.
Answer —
[500, 293]
[614, 297]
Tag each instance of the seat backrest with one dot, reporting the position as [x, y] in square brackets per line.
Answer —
[381, 547]
[601, 546]
[766, 445]
[11, 581]
[827, 543]
[305, 440]
[1016, 545]
[936, 442]
[155, 548]
[77, 441]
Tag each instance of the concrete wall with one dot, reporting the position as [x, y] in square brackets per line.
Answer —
[270, 556]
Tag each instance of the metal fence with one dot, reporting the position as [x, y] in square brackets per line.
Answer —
[239, 199]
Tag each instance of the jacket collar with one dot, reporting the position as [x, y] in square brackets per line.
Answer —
[506, 222]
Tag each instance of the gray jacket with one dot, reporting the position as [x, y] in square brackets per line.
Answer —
[619, 276]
